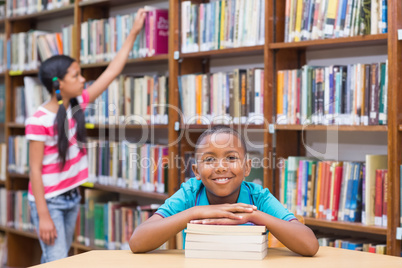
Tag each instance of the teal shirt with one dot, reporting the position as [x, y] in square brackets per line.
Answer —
[192, 193]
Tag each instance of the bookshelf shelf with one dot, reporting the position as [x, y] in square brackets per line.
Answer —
[228, 52]
[32, 235]
[356, 227]
[105, 2]
[2, 21]
[85, 248]
[18, 175]
[364, 40]
[332, 128]
[15, 125]
[2, 183]
[204, 127]
[158, 59]
[131, 192]
[102, 126]
[3, 228]
[23, 73]
[47, 14]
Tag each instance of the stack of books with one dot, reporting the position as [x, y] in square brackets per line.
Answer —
[244, 242]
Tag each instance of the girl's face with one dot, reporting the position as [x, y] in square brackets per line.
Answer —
[222, 166]
[72, 84]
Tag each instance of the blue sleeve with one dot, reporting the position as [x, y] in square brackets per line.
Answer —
[267, 203]
[183, 199]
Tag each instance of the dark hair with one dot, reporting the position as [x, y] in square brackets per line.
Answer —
[57, 66]
[221, 129]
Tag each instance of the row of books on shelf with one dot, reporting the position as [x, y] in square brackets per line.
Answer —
[102, 39]
[105, 222]
[336, 191]
[25, 50]
[14, 210]
[354, 94]
[131, 100]
[222, 24]
[2, 103]
[128, 165]
[353, 244]
[28, 98]
[18, 155]
[3, 61]
[319, 19]
[3, 250]
[3, 161]
[24, 7]
[236, 96]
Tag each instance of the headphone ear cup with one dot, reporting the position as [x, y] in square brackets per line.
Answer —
[56, 85]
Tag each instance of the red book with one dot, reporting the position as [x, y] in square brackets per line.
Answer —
[337, 192]
[159, 32]
[379, 176]
[385, 201]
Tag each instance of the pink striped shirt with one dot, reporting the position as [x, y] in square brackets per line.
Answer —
[40, 127]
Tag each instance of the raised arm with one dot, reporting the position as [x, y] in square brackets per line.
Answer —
[155, 231]
[117, 64]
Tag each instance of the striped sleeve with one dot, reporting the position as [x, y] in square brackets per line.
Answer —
[83, 100]
[35, 130]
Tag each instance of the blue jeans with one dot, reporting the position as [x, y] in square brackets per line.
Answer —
[63, 210]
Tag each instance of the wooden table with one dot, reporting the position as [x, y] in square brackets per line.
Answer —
[277, 257]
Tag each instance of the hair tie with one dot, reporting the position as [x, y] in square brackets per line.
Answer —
[55, 78]
[60, 102]
[58, 91]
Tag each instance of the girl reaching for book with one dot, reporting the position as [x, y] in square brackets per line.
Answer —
[57, 160]
[219, 195]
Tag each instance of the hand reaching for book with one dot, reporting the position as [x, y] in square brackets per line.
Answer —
[139, 20]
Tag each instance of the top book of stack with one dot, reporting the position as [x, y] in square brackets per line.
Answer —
[226, 241]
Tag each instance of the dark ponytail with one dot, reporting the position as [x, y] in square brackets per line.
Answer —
[51, 71]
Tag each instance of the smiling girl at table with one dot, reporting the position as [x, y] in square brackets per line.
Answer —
[219, 195]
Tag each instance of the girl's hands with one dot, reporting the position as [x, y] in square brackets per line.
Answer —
[237, 213]
[139, 20]
[47, 230]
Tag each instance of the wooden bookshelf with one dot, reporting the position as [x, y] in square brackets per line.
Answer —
[23, 73]
[362, 40]
[201, 128]
[332, 128]
[348, 226]
[15, 125]
[46, 14]
[29, 234]
[82, 247]
[106, 2]
[280, 55]
[276, 55]
[158, 59]
[228, 52]
[128, 191]
[128, 126]
[18, 175]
